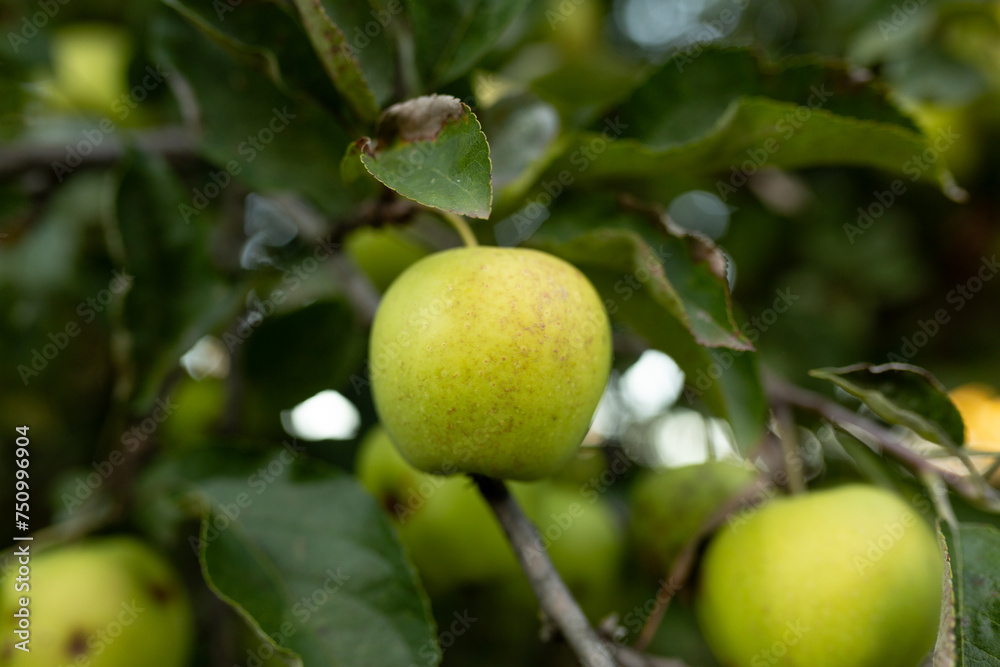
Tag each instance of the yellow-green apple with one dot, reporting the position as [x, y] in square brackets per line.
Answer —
[447, 528]
[849, 577]
[105, 602]
[382, 254]
[669, 506]
[490, 361]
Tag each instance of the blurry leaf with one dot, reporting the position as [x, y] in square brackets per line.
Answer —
[725, 115]
[519, 130]
[688, 96]
[432, 150]
[335, 54]
[252, 131]
[12, 99]
[752, 133]
[175, 295]
[313, 563]
[266, 35]
[972, 554]
[370, 29]
[292, 356]
[452, 35]
[671, 289]
[582, 88]
[272, 38]
[902, 394]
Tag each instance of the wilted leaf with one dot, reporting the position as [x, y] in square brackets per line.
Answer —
[432, 150]
[902, 394]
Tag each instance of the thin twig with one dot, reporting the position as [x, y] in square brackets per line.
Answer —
[553, 596]
[629, 657]
[173, 143]
[889, 442]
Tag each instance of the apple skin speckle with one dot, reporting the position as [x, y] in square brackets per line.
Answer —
[474, 350]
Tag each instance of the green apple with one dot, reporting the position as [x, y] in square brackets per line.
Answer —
[200, 406]
[584, 540]
[89, 67]
[447, 528]
[382, 254]
[849, 577]
[106, 602]
[489, 361]
[669, 506]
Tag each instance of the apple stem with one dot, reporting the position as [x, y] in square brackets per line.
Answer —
[462, 227]
[554, 597]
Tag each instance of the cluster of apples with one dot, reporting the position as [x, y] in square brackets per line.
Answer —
[492, 362]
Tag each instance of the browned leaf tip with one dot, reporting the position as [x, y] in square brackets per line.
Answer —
[419, 119]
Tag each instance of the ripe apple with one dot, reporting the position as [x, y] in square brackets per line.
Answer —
[445, 525]
[669, 506]
[849, 577]
[382, 254]
[490, 361]
[106, 602]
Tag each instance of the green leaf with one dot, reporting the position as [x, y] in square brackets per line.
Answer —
[902, 394]
[176, 296]
[684, 274]
[371, 31]
[945, 646]
[338, 60]
[686, 97]
[251, 130]
[751, 133]
[452, 35]
[312, 562]
[972, 553]
[670, 288]
[266, 36]
[432, 150]
[726, 115]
